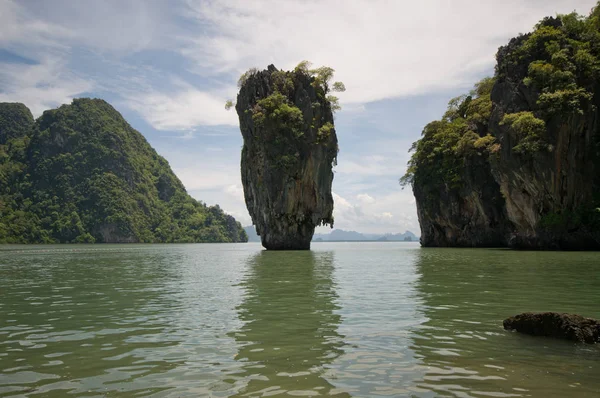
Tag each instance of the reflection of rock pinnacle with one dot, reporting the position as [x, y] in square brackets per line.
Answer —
[290, 331]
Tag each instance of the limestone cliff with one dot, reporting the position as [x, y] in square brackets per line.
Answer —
[471, 215]
[550, 178]
[525, 172]
[458, 201]
[290, 146]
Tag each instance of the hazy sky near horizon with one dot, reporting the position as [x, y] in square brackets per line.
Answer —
[169, 66]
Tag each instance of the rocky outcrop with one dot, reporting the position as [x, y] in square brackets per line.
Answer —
[552, 324]
[549, 187]
[458, 201]
[471, 215]
[533, 180]
[290, 147]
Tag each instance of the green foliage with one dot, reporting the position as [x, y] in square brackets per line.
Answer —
[530, 131]
[229, 104]
[303, 67]
[565, 101]
[334, 102]
[321, 79]
[276, 111]
[244, 77]
[338, 87]
[563, 59]
[322, 76]
[439, 157]
[324, 132]
[82, 174]
[283, 82]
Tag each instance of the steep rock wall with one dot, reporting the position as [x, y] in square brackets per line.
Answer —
[551, 184]
[289, 149]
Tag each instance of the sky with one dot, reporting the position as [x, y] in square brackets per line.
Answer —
[169, 66]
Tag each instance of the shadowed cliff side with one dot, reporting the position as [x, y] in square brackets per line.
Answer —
[458, 202]
[290, 147]
[546, 119]
[517, 164]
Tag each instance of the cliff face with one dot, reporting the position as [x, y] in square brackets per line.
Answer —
[550, 180]
[471, 215]
[458, 201]
[536, 182]
[289, 149]
[81, 173]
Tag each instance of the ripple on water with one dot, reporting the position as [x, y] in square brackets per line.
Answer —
[344, 320]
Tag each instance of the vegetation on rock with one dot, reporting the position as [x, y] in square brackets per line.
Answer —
[290, 147]
[80, 173]
[439, 156]
[535, 125]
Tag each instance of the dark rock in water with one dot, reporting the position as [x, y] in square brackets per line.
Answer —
[289, 150]
[551, 324]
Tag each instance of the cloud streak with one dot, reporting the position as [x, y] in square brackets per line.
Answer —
[183, 108]
[380, 49]
[40, 86]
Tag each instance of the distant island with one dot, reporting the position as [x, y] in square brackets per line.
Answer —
[339, 235]
[82, 174]
[516, 162]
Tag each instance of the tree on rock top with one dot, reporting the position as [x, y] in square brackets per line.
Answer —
[290, 148]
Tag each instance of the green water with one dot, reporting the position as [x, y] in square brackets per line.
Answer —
[346, 319]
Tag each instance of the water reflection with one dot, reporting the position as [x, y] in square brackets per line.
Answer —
[465, 294]
[290, 333]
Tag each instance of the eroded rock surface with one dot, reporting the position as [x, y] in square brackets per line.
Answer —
[289, 150]
[518, 165]
[551, 324]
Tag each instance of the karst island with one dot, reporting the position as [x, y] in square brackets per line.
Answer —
[290, 148]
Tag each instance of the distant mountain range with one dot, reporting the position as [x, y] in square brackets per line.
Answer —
[339, 235]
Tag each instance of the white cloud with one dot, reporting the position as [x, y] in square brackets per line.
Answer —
[236, 190]
[18, 27]
[368, 166]
[380, 49]
[213, 184]
[393, 213]
[108, 25]
[197, 178]
[42, 86]
[184, 108]
[365, 198]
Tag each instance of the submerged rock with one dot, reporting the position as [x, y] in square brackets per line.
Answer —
[552, 324]
[290, 147]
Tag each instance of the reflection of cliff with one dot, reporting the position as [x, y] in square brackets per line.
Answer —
[466, 293]
[290, 331]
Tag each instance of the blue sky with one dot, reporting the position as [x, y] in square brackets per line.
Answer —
[169, 66]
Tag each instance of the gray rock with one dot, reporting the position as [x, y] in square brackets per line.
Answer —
[286, 173]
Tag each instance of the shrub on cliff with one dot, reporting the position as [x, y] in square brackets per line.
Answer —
[439, 156]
